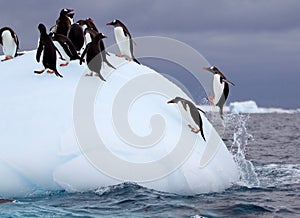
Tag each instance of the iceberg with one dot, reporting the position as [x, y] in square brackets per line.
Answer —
[251, 107]
[46, 146]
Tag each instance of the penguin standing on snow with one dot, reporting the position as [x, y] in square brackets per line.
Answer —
[124, 40]
[64, 21]
[93, 56]
[48, 49]
[191, 114]
[65, 48]
[90, 34]
[10, 43]
[220, 88]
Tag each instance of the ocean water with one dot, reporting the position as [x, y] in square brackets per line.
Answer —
[266, 148]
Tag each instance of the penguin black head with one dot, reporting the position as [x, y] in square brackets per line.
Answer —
[42, 28]
[66, 11]
[212, 69]
[215, 70]
[100, 36]
[114, 23]
[175, 100]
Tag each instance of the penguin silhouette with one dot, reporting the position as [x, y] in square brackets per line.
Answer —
[48, 49]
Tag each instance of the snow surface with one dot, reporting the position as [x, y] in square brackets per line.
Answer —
[251, 107]
[39, 147]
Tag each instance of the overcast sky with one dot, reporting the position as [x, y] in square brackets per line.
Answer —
[256, 43]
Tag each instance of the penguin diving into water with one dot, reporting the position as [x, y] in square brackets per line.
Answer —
[93, 54]
[124, 40]
[220, 88]
[10, 43]
[47, 50]
[191, 114]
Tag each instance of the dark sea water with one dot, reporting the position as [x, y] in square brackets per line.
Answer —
[267, 149]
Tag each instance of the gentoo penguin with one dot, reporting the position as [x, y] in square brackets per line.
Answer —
[93, 56]
[48, 49]
[220, 88]
[191, 114]
[123, 39]
[65, 48]
[63, 23]
[90, 34]
[10, 43]
[76, 35]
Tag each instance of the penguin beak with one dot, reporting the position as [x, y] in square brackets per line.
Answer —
[170, 102]
[109, 24]
[207, 69]
[70, 10]
[104, 36]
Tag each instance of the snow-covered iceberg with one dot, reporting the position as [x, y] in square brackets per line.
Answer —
[251, 107]
[41, 137]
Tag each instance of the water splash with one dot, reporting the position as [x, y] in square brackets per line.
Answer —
[248, 176]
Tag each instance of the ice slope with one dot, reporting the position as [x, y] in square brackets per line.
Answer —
[40, 151]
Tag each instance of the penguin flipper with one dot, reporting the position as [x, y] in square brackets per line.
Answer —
[221, 112]
[39, 52]
[201, 110]
[83, 54]
[202, 134]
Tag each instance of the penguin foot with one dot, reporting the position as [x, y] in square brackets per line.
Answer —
[7, 58]
[64, 64]
[39, 71]
[89, 74]
[193, 129]
[50, 71]
[120, 56]
[211, 99]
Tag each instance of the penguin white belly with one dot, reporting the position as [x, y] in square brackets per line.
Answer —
[187, 115]
[218, 88]
[9, 44]
[62, 51]
[122, 41]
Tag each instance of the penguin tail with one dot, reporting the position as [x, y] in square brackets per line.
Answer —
[58, 74]
[136, 61]
[109, 64]
[19, 54]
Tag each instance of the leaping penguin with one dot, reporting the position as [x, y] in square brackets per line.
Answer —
[220, 88]
[93, 56]
[65, 48]
[47, 50]
[124, 40]
[191, 114]
[64, 21]
[10, 43]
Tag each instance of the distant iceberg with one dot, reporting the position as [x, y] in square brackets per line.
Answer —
[251, 107]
